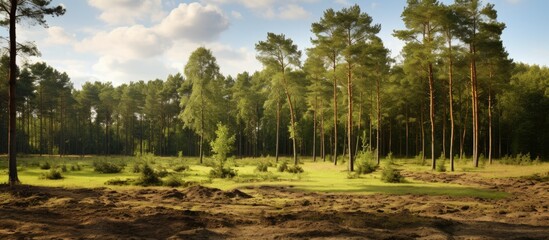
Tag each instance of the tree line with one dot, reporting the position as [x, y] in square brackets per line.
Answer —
[454, 93]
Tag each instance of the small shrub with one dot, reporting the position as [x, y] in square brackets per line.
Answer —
[136, 168]
[181, 168]
[76, 167]
[148, 177]
[63, 168]
[162, 173]
[222, 172]
[107, 167]
[365, 163]
[262, 167]
[441, 164]
[295, 169]
[283, 166]
[173, 181]
[53, 174]
[45, 166]
[117, 182]
[391, 175]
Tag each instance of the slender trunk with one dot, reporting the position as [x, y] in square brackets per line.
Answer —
[378, 111]
[277, 145]
[490, 119]
[350, 115]
[359, 125]
[335, 113]
[432, 115]
[451, 101]
[407, 133]
[292, 117]
[12, 153]
[314, 128]
[201, 149]
[474, 106]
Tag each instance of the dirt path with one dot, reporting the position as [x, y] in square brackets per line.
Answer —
[274, 213]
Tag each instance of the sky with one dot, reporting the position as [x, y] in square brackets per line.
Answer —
[120, 41]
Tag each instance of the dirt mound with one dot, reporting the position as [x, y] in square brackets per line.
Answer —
[205, 193]
[174, 194]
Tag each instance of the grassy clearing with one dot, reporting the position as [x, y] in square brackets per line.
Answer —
[318, 176]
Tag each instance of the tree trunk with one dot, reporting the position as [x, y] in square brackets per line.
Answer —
[335, 113]
[490, 119]
[378, 111]
[432, 115]
[314, 128]
[451, 102]
[12, 154]
[350, 115]
[277, 144]
[474, 102]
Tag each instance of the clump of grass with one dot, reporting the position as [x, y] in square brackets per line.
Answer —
[365, 163]
[390, 174]
[107, 167]
[45, 166]
[63, 168]
[76, 167]
[173, 181]
[162, 173]
[295, 169]
[118, 182]
[282, 167]
[148, 177]
[441, 164]
[222, 172]
[136, 168]
[181, 168]
[53, 174]
[262, 167]
[520, 159]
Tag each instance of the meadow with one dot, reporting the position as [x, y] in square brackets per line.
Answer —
[497, 201]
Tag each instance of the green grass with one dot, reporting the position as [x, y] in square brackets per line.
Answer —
[318, 176]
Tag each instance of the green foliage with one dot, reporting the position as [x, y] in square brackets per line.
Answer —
[365, 162]
[441, 164]
[136, 168]
[222, 172]
[148, 177]
[63, 168]
[181, 168]
[520, 159]
[390, 174]
[282, 167]
[295, 169]
[262, 166]
[45, 166]
[173, 181]
[221, 147]
[76, 167]
[52, 174]
[103, 166]
[118, 182]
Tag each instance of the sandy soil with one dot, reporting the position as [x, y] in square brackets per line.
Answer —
[273, 212]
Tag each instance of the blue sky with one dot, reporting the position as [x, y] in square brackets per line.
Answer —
[130, 40]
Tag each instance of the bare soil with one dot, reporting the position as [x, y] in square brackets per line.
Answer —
[275, 212]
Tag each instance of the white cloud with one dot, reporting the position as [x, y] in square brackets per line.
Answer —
[342, 2]
[293, 12]
[119, 71]
[271, 9]
[514, 1]
[58, 36]
[194, 22]
[125, 43]
[116, 12]
[236, 15]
